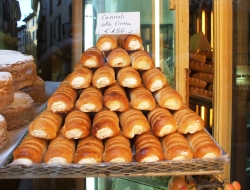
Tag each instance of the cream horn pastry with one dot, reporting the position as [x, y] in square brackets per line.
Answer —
[63, 99]
[203, 146]
[153, 79]
[115, 98]
[80, 78]
[141, 60]
[89, 151]
[106, 42]
[90, 100]
[60, 150]
[103, 76]
[118, 58]
[162, 122]
[129, 77]
[46, 125]
[188, 121]
[105, 124]
[117, 149]
[30, 151]
[176, 147]
[133, 122]
[77, 125]
[130, 42]
[92, 58]
[168, 97]
[141, 98]
[147, 148]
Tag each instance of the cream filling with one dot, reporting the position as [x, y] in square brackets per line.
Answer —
[151, 158]
[181, 157]
[78, 82]
[57, 160]
[90, 63]
[102, 82]
[156, 85]
[105, 46]
[165, 130]
[22, 161]
[39, 133]
[136, 130]
[170, 103]
[88, 107]
[104, 133]
[87, 161]
[209, 155]
[116, 160]
[134, 45]
[58, 106]
[115, 105]
[192, 128]
[144, 105]
[74, 133]
[129, 81]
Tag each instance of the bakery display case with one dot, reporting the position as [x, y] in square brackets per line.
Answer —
[165, 28]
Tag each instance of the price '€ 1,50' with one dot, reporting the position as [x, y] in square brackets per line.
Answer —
[118, 23]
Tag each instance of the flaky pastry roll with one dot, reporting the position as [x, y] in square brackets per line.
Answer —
[118, 58]
[92, 58]
[80, 78]
[141, 60]
[130, 42]
[129, 77]
[103, 76]
[106, 42]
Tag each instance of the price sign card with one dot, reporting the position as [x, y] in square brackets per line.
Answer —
[118, 23]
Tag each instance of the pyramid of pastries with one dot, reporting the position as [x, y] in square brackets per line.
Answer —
[124, 114]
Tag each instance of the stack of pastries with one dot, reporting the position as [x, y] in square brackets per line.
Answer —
[20, 91]
[116, 106]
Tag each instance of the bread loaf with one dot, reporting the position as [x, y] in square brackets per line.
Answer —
[63, 99]
[60, 150]
[129, 77]
[103, 76]
[105, 124]
[176, 147]
[200, 92]
[203, 76]
[207, 53]
[197, 57]
[130, 42]
[106, 42]
[198, 83]
[203, 146]
[141, 60]
[117, 149]
[201, 67]
[76, 125]
[115, 98]
[89, 151]
[90, 100]
[80, 78]
[46, 125]
[30, 151]
[92, 58]
[161, 121]
[133, 122]
[188, 121]
[141, 98]
[168, 97]
[153, 79]
[147, 148]
[118, 58]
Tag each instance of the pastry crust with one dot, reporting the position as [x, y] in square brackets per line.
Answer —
[103, 76]
[147, 148]
[118, 58]
[141, 98]
[80, 78]
[198, 83]
[4, 137]
[153, 79]
[197, 57]
[6, 89]
[133, 122]
[204, 76]
[90, 100]
[106, 42]
[176, 147]
[130, 42]
[89, 151]
[105, 124]
[76, 125]
[201, 92]
[141, 60]
[117, 149]
[60, 150]
[46, 125]
[129, 77]
[162, 122]
[115, 99]
[203, 146]
[92, 58]
[168, 97]
[201, 67]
